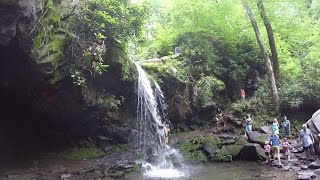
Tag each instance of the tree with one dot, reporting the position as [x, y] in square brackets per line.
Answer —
[272, 81]
[272, 44]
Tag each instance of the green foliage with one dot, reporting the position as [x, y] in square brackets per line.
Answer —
[172, 66]
[192, 148]
[109, 101]
[208, 87]
[51, 38]
[84, 153]
[78, 78]
[259, 105]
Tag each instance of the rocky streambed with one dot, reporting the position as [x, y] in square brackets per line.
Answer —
[231, 156]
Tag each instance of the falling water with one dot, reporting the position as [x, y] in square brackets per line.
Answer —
[151, 118]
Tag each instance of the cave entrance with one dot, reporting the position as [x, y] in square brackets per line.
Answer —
[35, 116]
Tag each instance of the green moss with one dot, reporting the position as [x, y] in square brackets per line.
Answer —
[51, 37]
[227, 153]
[192, 148]
[120, 148]
[84, 153]
[116, 174]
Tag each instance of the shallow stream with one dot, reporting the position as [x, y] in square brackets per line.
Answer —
[214, 171]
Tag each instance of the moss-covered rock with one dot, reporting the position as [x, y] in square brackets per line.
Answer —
[228, 153]
[193, 149]
[116, 174]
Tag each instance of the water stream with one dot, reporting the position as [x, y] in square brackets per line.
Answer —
[159, 159]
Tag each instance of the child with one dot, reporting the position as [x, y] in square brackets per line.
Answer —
[286, 148]
[267, 149]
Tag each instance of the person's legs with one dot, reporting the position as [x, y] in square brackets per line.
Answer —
[306, 150]
[311, 150]
[278, 154]
[274, 150]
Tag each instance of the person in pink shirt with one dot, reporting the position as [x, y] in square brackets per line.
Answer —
[267, 149]
[286, 148]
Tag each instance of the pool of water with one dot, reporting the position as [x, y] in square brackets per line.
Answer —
[214, 171]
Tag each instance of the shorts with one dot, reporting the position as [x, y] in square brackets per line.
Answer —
[275, 148]
[310, 147]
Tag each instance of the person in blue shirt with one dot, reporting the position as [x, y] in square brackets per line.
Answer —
[286, 127]
[275, 126]
[275, 144]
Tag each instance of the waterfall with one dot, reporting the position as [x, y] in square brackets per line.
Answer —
[151, 119]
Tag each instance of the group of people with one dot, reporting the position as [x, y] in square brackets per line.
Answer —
[305, 137]
[272, 146]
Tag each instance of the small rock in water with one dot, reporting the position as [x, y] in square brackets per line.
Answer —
[65, 176]
[304, 167]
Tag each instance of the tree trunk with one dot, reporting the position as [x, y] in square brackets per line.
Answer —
[272, 44]
[272, 81]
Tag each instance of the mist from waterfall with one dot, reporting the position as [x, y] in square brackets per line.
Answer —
[151, 118]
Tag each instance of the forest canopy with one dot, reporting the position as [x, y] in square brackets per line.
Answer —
[218, 39]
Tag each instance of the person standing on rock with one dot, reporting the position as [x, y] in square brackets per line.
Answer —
[242, 94]
[248, 124]
[275, 144]
[275, 126]
[166, 130]
[307, 140]
[286, 127]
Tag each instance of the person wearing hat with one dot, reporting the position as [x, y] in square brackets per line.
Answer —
[307, 139]
[267, 149]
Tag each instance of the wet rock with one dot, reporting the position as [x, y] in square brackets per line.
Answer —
[252, 152]
[306, 175]
[265, 129]
[304, 167]
[107, 149]
[209, 150]
[182, 127]
[314, 165]
[118, 134]
[65, 176]
[194, 127]
[234, 120]
[256, 137]
[317, 172]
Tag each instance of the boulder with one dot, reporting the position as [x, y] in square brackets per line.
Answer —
[234, 120]
[256, 137]
[265, 129]
[209, 150]
[317, 172]
[306, 175]
[314, 165]
[252, 152]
